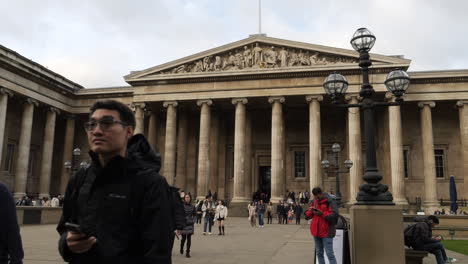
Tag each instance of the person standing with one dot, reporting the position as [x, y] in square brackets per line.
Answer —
[208, 210]
[252, 213]
[189, 227]
[198, 206]
[221, 215]
[118, 209]
[324, 214]
[11, 247]
[279, 212]
[260, 213]
[298, 213]
[269, 213]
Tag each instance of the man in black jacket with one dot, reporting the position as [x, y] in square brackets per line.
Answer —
[121, 204]
[11, 249]
[423, 240]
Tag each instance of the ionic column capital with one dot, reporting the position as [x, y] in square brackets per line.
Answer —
[32, 101]
[351, 97]
[462, 103]
[6, 91]
[54, 110]
[70, 116]
[431, 104]
[276, 98]
[205, 101]
[235, 101]
[168, 103]
[138, 105]
[310, 98]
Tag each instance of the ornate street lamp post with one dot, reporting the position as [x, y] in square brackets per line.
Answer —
[76, 160]
[336, 148]
[335, 85]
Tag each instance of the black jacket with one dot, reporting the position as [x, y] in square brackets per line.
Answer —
[125, 205]
[422, 233]
[11, 249]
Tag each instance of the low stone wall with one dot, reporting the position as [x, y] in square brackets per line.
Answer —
[28, 215]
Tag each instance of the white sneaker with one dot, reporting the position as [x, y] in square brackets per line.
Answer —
[209, 233]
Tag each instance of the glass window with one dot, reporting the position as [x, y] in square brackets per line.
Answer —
[299, 164]
[439, 162]
[10, 152]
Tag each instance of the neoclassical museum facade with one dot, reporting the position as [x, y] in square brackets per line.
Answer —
[247, 116]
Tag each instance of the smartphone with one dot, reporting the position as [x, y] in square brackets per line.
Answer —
[314, 209]
[73, 227]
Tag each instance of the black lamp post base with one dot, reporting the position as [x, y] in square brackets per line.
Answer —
[374, 194]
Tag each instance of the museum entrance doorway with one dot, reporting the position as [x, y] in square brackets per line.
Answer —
[264, 181]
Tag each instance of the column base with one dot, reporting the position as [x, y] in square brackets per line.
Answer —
[401, 201]
[373, 228]
[238, 209]
[18, 195]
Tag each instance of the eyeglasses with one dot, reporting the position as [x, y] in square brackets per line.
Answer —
[105, 124]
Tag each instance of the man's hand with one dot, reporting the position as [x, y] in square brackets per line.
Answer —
[317, 212]
[77, 243]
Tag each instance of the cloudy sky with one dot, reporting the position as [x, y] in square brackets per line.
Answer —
[96, 42]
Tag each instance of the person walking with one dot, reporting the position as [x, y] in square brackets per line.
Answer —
[208, 210]
[189, 228]
[324, 214]
[252, 213]
[11, 247]
[269, 213]
[119, 208]
[260, 213]
[221, 215]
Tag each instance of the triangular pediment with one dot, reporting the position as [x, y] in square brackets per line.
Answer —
[258, 54]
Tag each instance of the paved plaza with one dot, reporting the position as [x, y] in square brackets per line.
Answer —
[281, 244]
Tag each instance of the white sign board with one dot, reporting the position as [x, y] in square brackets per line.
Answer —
[337, 248]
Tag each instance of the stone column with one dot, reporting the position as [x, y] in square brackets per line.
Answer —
[139, 118]
[214, 154]
[277, 154]
[24, 146]
[181, 171]
[355, 149]
[204, 148]
[248, 156]
[430, 183]
[47, 151]
[152, 128]
[67, 152]
[4, 94]
[239, 192]
[463, 117]
[315, 142]
[397, 165]
[170, 149]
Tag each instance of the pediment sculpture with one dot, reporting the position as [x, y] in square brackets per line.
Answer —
[259, 55]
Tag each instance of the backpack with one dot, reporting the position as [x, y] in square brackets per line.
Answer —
[409, 235]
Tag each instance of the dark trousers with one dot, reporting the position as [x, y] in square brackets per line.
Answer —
[269, 218]
[285, 219]
[298, 220]
[189, 242]
[438, 250]
[199, 218]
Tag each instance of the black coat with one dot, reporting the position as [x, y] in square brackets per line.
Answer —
[11, 248]
[128, 209]
[190, 213]
[422, 234]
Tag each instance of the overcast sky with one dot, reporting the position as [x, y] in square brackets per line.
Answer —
[96, 42]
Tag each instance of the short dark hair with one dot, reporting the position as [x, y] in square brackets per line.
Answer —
[126, 114]
[316, 190]
[434, 219]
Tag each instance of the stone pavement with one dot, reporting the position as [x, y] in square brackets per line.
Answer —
[273, 244]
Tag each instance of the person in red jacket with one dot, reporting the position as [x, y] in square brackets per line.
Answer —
[324, 214]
